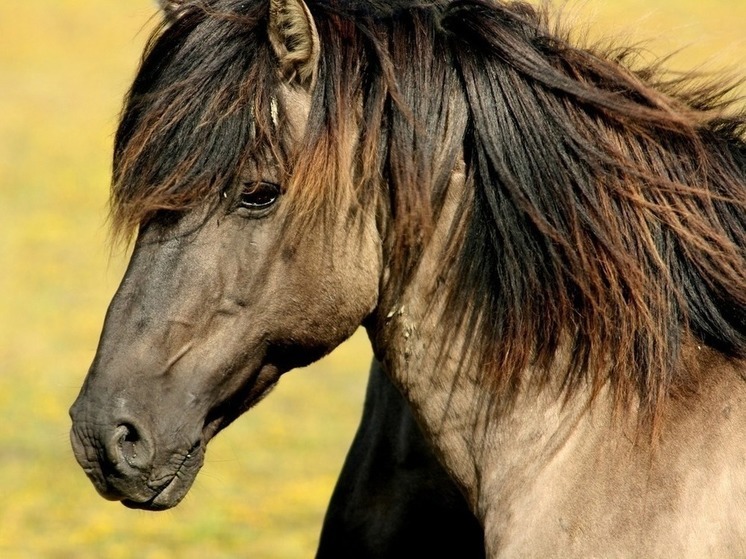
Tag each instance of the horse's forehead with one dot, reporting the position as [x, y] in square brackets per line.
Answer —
[296, 104]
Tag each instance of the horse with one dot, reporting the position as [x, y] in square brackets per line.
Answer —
[393, 498]
[544, 241]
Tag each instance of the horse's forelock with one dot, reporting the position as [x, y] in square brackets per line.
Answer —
[198, 108]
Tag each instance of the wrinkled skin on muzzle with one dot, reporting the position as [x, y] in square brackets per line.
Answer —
[211, 311]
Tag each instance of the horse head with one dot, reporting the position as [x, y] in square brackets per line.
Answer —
[219, 299]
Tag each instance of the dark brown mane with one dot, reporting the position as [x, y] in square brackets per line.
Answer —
[609, 204]
[616, 204]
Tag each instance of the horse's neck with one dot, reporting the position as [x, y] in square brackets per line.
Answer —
[492, 450]
[434, 369]
[546, 472]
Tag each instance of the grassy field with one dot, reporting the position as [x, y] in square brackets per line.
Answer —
[64, 66]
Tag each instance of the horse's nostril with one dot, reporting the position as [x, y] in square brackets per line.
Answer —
[128, 449]
[128, 439]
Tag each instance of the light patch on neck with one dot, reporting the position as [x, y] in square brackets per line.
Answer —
[274, 112]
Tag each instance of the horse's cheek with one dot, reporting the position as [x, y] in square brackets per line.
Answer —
[326, 294]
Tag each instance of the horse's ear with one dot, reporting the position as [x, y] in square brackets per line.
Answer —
[294, 39]
[169, 8]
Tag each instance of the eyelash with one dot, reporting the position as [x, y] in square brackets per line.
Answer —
[256, 199]
[259, 195]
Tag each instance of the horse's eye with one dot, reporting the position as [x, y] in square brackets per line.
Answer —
[259, 195]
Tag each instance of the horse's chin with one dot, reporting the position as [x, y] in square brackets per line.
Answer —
[168, 498]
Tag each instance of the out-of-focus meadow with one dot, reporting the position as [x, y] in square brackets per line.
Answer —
[64, 67]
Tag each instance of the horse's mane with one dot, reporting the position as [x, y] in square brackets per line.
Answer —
[611, 203]
[607, 207]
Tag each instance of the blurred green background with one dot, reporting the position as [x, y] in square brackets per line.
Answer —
[64, 67]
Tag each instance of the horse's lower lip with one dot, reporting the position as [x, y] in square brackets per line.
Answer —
[168, 497]
[175, 489]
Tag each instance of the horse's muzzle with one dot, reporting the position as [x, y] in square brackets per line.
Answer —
[119, 458]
